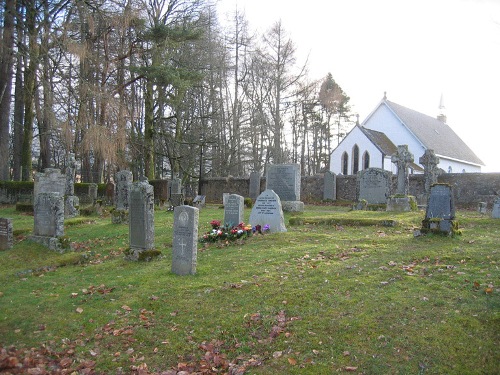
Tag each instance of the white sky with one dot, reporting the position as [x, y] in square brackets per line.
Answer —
[415, 50]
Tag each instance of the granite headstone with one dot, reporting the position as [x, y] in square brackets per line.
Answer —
[233, 210]
[185, 241]
[267, 210]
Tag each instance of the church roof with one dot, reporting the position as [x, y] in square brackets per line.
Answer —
[434, 134]
[379, 139]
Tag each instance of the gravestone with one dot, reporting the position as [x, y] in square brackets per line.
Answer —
[373, 185]
[233, 210]
[402, 202]
[6, 238]
[495, 212]
[175, 186]
[110, 193]
[482, 207]
[71, 201]
[440, 212]
[49, 220]
[267, 210]
[329, 186]
[185, 241]
[49, 181]
[93, 192]
[430, 162]
[123, 181]
[141, 219]
[284, 180]
[254, 188]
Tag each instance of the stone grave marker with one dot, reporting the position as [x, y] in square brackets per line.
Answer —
[176, 199]
[233, 210]
[495, 212]
[50, 180]
[373, 185]
[440, 212]
[49, 220]
[122, 187]
[175, 186]
[254, 188]
[329, 186]
[284, 180]
[185, 241]
[482, 207]
[110, 193]
[6, 237]
[267, 210]
[430, 162]
[402, 158]
[93, 192]
[71, 201]
[141, 219]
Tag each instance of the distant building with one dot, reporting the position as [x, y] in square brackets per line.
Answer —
[372, 143]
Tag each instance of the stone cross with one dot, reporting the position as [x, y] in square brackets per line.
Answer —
[402, 158]
[431, 172]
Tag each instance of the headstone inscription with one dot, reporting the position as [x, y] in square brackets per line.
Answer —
[254, 188]
[440, 212]
[267, 210]
[233, 210]
[373, 185]
[284, 180]
[6, 238]
[141, 219]
[50, 180]
[49, 220]
[329, 186]
[495, 212]
[185, 241]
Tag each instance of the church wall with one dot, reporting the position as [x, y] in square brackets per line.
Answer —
[457, 167]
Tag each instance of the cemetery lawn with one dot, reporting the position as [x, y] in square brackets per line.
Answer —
[325, 297]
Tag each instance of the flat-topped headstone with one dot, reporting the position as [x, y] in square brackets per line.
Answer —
[48, 212]
[440, 212]
[254, 187]
[93, 192]
[267, 210]
[233, 210]
[50, 181]
[123, 181]
[373, 185]
[329, 186]
[284, 180]
[141, 219]
[495, 212]
[176, 186]
[6, 237]
[185, 241]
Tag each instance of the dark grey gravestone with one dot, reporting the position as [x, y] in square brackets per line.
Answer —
[373, 185]
[185, 242]
[175, 186]
[440, 213]
[233, 210]
[329, 186]
[123, 182]
[6, 238]
[267, 210]
[70, 174]
[495, 212]
[93, 192]
[284, 180]
[254, 188]
[48, 220]
[141, 219]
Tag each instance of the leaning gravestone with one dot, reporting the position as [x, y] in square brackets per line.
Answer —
[329, 186]
[284, 180]
[185, 242]
[233, 210]
[49, 220]
[141, 219]
[5, 233]
[495, 212]
[440, 213]
[254, 188]
[267, 210]
[373, 185]
[122, 187]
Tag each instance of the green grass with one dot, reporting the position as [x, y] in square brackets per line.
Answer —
[321, 298]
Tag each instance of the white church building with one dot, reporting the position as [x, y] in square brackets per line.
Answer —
[372, 143]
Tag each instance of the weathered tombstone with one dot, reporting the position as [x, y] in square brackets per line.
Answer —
[373, 185]
[175, 186]
[71, 201]
[495, 212]
[267, 210]
[233, 210]
[6, 238]
[284, 180]
[254, 188]
[329, 186]
[430, 161]
[402, 202]
[49, 220]
[440, 213]
[122, 187]
[49, 181]
[141, 219]
[93, 192]
[110, 193]
[482, 207]
[185, 241]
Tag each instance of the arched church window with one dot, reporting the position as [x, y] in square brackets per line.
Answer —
[345, 163]
[366, 160]
[355, 159]
[450, 169]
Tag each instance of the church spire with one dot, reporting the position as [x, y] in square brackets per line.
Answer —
[442, 110]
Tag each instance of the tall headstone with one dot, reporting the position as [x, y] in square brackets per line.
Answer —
[233, 210]
[373, 185]
[175, 186]
[284, 180]
[6, 238]
[254, 188]
[71, 201]
[185, 242]
[141, 219]
[440, 212]
[495, 212]
[49, 220]
[430, 162]
[110, 193]
[122, 187]
[93, 192]
[329, 186]
[267, 210]
[402, 158]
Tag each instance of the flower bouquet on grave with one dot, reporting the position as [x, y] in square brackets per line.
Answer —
[259, 229]
[226, 232]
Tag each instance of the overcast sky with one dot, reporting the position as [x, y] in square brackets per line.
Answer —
[415, 50]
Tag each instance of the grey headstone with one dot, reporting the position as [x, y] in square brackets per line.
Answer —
[70, 174]
[373, 185]
[430, 162]
[6, 238]
[440, 204]
[93, 192]
[175, 186]
[50, 181]
[123, 182]
[330, 186]
[185, 242]
[402, 158]
[141, 218]
[284, 180]
[495, 212]
[233, 210]
[254, 188]
[49, 215]
[267, 210]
